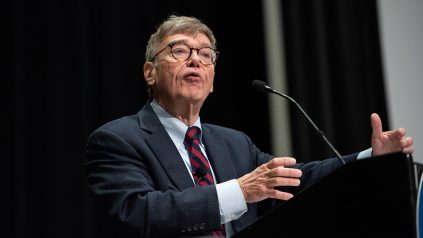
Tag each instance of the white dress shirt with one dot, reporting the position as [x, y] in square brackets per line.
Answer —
[231, 200]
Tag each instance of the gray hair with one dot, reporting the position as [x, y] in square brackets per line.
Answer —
[176, 25]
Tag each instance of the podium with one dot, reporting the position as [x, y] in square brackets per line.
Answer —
[373, 197]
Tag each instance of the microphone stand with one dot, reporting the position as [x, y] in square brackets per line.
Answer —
[320, 132]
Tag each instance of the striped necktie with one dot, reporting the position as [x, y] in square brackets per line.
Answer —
[200, 167]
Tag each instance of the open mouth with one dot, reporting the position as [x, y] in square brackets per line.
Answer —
[192, 77]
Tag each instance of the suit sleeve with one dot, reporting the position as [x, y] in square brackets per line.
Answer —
[121, 183]
[315, 170]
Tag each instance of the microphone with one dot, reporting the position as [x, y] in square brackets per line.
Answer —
[200, 173]
[261, 86]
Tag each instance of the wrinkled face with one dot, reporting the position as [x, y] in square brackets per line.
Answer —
[176, 81]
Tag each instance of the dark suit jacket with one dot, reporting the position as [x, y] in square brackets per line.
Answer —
[141, 185]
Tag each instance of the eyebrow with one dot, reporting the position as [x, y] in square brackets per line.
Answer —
[186, 42]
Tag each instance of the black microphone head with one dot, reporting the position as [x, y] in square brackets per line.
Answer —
[259, 85]
[200, 172]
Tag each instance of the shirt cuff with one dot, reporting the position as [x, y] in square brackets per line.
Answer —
[231, 201]
[365, 154]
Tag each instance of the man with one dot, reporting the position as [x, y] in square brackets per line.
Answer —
[149, 171]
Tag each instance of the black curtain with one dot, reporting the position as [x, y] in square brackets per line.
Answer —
[74, 65]
[334, 70]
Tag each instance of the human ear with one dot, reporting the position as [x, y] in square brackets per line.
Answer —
[149, 72]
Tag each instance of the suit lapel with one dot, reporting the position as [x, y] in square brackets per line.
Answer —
[168, 156]
[218, 155]
[223, 167]
[164, 149]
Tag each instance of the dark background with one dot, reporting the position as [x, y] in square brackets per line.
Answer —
[74, 65]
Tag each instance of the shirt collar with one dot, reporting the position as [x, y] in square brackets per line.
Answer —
[174, 127]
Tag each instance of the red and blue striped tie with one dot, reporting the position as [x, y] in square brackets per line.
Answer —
[200, 166]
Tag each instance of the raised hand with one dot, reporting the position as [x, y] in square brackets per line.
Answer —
[384, 142]
[260, 183]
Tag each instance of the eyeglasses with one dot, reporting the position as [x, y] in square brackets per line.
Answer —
[182, 52]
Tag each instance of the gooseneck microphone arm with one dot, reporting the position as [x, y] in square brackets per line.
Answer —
[263, 87]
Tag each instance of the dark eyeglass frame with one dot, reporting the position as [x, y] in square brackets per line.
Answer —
[171, 44]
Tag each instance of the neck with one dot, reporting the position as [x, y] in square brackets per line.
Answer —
[188, 113]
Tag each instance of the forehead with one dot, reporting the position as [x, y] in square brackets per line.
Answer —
[194, 40]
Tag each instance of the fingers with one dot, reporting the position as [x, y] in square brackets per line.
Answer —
[376, 124]
[276, 194]
[399, 133]
[408, 150]
[281, 181]
[407, 145]
[284, 172]
[277, 169]
[281, 176]
[406, 142]
[260, 184]
[389, 141]
[280, 161]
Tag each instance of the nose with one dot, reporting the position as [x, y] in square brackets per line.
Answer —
[194, 59]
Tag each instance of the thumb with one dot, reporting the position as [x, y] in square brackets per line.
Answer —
[376, 124]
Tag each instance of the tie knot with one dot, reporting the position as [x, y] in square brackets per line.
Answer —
[193, 133]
